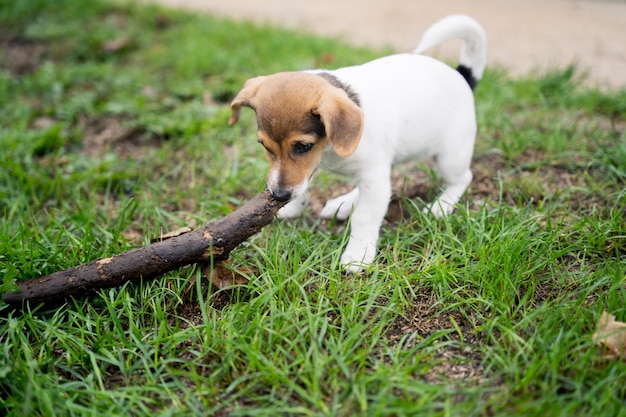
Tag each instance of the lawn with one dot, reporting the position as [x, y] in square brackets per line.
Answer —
[113, 130]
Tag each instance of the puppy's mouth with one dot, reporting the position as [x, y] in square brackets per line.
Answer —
[290, 192]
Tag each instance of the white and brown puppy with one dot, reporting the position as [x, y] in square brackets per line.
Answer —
[360, 120]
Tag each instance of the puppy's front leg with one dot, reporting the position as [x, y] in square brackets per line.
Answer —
[341, 206]
[365, 224]
[294, 208]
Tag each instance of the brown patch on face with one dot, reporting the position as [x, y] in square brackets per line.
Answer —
[287, 124]
[283, 129]
[289, 168]
[298, 115]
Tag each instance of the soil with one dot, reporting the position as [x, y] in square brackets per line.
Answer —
[524, 36]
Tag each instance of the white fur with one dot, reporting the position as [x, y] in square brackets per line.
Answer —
[474, 49]
[415, 107]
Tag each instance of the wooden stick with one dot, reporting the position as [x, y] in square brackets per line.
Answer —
[212, 242]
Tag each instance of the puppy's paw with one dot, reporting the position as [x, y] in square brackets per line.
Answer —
[439, 209]
[341, 206]
[292, 209]
[334, 208]
[358, 256]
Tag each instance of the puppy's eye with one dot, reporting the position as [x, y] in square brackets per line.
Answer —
[300, 148]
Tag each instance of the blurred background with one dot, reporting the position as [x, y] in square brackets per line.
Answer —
[524, 36]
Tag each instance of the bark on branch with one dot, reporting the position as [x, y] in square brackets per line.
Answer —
[213, 243]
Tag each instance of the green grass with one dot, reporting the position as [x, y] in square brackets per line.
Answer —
[490, 312]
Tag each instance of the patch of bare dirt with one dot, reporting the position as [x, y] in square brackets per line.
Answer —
[458, 361]
[499, 181]
[107, 133]
[535, 179]
[20, 56]
[101, 134]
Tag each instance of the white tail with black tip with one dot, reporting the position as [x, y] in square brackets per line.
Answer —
[473, 57]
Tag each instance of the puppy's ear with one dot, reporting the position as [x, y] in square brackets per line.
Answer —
[343, 121]
[244, 98]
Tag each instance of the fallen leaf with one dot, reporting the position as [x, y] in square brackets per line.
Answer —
[611, 334]
[223, 275]
[325, 59]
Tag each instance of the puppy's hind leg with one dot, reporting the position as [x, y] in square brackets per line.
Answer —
[455, 171]
[341, 206]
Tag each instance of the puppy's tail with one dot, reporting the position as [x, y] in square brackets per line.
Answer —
[474, 50]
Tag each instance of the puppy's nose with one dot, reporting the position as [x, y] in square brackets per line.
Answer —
[281, 194]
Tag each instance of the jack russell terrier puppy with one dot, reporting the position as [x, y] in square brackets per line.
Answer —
[360, 120]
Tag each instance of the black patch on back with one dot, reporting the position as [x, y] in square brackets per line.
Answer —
[335, 82]
[466, 72]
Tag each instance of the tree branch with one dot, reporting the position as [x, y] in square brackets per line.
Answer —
[212, 242]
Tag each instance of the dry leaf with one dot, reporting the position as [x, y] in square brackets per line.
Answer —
[611, 334]
[224, 276]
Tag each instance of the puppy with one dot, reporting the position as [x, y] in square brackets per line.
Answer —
[360, 120]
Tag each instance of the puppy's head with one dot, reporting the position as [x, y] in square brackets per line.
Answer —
[298, 116]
